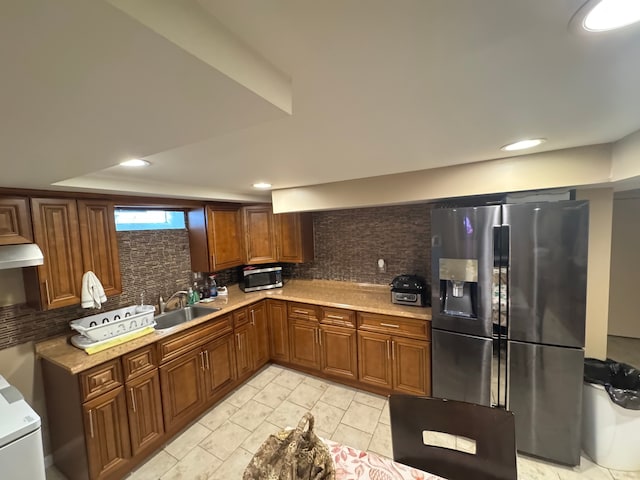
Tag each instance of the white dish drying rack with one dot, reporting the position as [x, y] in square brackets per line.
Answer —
[104, 326]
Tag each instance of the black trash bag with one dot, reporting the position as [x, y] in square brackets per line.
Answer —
[621, 381]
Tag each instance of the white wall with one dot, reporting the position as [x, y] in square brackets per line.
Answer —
[624, 296]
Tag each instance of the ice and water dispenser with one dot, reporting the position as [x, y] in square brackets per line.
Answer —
[459, 287]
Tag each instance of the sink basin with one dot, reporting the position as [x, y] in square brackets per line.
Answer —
[176, 317]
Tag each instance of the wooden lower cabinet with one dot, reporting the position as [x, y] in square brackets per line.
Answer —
[339, 355]
[220, 363]
[107, 433]
[259, 334]
[278, 330]
[397, 363]
[244, 359]
[304, 337]
[145, 411]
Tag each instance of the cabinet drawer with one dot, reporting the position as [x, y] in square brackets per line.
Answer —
[406, 327]
[138, 362]
[302, 310]
[240, 317]
[338, 316]
[180, 343]
[100, 379]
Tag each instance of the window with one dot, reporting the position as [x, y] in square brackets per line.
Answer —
[129, 219]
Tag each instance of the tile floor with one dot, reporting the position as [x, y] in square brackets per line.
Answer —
[222, 441]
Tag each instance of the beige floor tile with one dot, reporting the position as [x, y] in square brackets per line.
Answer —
[327, 417]
[217, 415]
[381, 441]
[384, 416]
[529, 469]
[223, 441]
[305, 395]
[370, 399]
[155, 467]
[198, 464]
[263, 378]
[587, 470]
[287, 414]
[272, 395]
[233, 467]
[617, 475]
[259, 435]
[338, 396]
[316, 382]
[187, 440]
[251, 414]
[289, 379]
[242, 395]
[352, 437]
[362, 417]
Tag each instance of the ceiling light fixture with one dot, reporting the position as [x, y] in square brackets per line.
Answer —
[262, 185]
[523, 144]
[135, 162]
[605, 15]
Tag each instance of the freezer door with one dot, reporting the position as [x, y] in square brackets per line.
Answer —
[461, 367]
[547, 280]
[463, 236]
[545, 395]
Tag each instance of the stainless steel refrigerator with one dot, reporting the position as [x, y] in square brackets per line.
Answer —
[508, 316]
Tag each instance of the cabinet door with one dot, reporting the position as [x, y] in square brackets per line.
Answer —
[259, 334]
[145, 411]
[339, 351]
[57, 233]
[259, 234]
[99, 243]
[224, 235]
[220, 363]
[243, 350]
[278, 330]
[294, 233]
[411, 366]
[374, 359]
[182, 388]
[106, 433]
[305, 343]
[15, 224]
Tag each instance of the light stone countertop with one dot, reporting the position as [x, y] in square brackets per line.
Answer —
[354, 296]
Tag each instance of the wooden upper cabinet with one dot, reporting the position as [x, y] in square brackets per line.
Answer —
[215, 238]
[57, 233]
[260, 239]
[15, 224]
[99, 243]
[294, 237]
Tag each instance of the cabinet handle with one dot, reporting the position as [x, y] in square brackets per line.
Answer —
[319, 337]
[238, 339]
[336, 317]
[388, 350]
[212, 260]
[389, 325]
[46, 287]
[393, 350]
[206, 355]
[91, 422]
[253, 317]
[202, 360]
[301, 312]
[133, 400]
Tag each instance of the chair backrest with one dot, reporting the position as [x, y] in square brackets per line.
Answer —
[492, 429]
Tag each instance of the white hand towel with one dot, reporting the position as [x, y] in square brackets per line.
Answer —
[92, 291]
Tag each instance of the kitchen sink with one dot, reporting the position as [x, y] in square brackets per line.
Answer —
[176, 317]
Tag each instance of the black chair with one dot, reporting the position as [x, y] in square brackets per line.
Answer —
[492, 429]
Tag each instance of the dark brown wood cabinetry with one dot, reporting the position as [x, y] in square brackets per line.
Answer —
[251, 337]
[278, 330]
[260, 235]
[215, 238]
[304, 335]
[75, 237]
[294, 237]
[394, 353]
[15, 221]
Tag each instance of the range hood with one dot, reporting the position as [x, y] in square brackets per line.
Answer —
[17, 256]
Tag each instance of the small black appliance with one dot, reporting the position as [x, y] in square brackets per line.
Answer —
[410, 290]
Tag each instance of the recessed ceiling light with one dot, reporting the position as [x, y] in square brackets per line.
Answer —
[523, 144]
[135, 162]
[262, 185]
[605, 15]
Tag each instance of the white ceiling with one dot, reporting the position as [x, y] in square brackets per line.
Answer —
[377, 87]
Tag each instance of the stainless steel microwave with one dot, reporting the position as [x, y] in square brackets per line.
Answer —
[261, 279]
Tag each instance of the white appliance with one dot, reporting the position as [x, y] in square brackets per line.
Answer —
[21, 454]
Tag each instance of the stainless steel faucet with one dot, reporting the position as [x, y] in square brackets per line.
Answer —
[182, 293]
